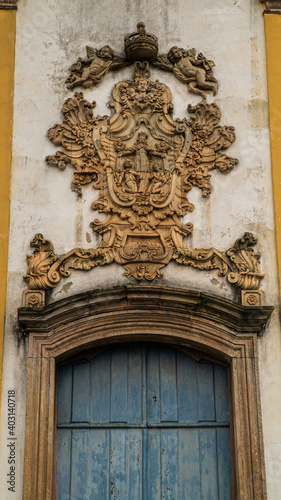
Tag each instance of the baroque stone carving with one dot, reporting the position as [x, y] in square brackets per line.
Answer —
[194, 70]
[33, 298]
[240, 263]
[247, 263]
[144, 163]
[90, 71]
[140, 45]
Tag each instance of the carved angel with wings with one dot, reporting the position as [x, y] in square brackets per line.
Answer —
[90, 71]
[195, 72]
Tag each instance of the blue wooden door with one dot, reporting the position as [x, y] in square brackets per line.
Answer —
[143, 422]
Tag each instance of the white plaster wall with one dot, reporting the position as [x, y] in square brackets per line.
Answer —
[51, 35]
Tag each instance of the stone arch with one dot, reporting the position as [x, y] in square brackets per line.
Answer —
[215, 326]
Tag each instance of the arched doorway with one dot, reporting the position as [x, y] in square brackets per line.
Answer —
[143, 421]
[185, 319]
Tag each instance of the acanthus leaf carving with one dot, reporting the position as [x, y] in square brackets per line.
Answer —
[247, 274]
[38, 275]
[240, 263]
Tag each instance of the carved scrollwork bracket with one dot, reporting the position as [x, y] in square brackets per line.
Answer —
[241, 265]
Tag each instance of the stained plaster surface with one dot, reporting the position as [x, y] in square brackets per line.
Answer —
[51, 36]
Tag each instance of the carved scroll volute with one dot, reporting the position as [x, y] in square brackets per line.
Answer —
[247, 275]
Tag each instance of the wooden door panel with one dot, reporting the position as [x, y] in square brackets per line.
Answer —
[143, 422]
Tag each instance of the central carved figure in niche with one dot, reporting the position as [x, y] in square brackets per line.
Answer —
[143, 162]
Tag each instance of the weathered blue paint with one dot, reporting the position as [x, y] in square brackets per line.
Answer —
[143, 422]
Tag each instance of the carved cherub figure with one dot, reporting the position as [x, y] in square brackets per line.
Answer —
[195, 72]
[90, 71]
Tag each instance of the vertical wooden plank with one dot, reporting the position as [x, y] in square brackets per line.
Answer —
[153, 386]
[81, 393]
[135, 399]
[100, 388]
[221, 393]
[118, 480]
[119, 385]
[224, 463]
[79, 464]
[153, 464]
[208, 461]
[187, 388]
[134, 464]
[64, 394]
[168, 385]
[98, 465]
[144, 464]
[189, 465]
[63, 463]
[206, 397]
[169, 462]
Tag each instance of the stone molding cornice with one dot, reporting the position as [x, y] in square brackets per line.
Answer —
[238, 318]
[272, 6]
[8, 4]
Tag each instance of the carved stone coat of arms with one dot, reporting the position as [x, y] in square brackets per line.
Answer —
[144, 162]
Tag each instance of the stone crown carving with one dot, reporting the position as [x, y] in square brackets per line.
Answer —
[140, 45]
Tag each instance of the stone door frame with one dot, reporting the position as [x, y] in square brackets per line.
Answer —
[218, 327]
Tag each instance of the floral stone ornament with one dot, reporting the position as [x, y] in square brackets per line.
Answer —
[144, 163]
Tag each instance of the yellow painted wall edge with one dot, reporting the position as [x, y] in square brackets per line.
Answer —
[7, 57]
[273, 53]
